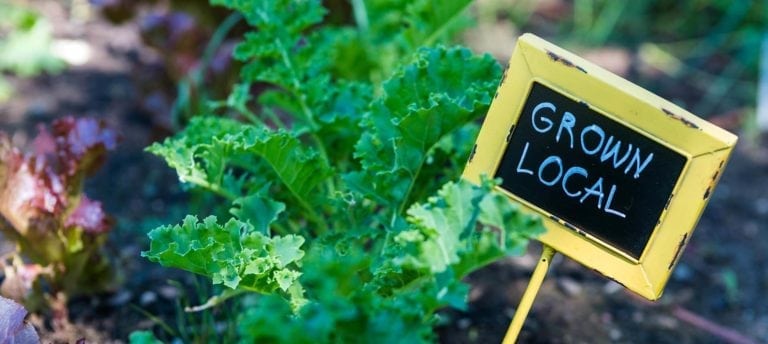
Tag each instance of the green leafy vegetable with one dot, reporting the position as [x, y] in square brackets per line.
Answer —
[233, 254]
[328, 179]
[442, 91]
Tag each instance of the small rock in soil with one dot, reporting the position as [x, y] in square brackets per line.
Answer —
[476, 293]
[606, 318]
[526, 262]
[761, 206]
[682, 273]
[169, 292]
[129, 251]
[568, 286]
[464, 323]
[39, 109]
[120, 298]
[147, 297]
[611, 287]
[638, 317]
[667, 322]
[751, 229]
[615, 334]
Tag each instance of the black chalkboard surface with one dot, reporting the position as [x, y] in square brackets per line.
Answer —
[595, 174]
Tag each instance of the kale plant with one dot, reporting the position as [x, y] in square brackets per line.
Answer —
[342, 204]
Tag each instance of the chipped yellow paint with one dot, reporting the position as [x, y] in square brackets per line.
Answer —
[705, 147]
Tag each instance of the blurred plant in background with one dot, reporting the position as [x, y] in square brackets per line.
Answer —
[194, 42]
[701, 54]
[25, 45]
[706, 63]
[57, 230]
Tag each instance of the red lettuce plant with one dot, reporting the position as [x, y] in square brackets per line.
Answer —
[57, 229]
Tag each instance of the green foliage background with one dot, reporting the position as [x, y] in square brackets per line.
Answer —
[25, 45]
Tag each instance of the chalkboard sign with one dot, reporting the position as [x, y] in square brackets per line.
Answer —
[619, 175]
[588, 170]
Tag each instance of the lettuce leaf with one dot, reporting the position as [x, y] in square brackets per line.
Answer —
[44, 210]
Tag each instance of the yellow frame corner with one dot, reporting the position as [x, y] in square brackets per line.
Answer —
[705, 146]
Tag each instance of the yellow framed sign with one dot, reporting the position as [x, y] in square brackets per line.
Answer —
[620, 175]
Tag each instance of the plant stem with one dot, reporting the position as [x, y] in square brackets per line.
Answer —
[215, 300]
[298, 93]
[404, 203]
[302, 98]
[444, 26]
[274, 117]
[279, 227]
[216, 40]
[361, 15]
[155, 319]
[313, 215]
[250, 116]
[211, 187]
[195, 77]
[306, 110]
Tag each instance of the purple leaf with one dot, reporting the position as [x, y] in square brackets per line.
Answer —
[13, 329]
[81, 143]
[90, 217]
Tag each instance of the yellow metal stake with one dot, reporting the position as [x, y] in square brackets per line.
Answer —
[530, 294]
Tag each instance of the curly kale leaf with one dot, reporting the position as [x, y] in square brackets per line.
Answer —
[233, 254]
[463, 228]
[355, 296]
[443, 90]
[389, 32]
[281, 51]
[289, 52]
[343, 307]
[210, 149]
[415, 23]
